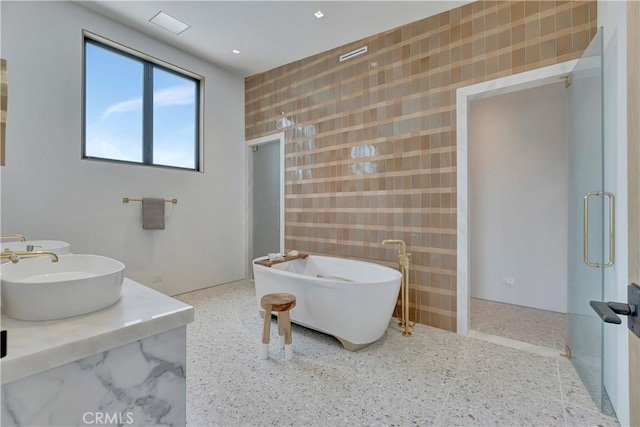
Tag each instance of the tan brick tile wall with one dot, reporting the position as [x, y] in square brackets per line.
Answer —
[370, 142]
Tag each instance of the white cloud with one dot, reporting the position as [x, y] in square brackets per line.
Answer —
[123, 107]
[109, 140]
[176, 95]
[110, 147]
[174, 157]
[175, 148]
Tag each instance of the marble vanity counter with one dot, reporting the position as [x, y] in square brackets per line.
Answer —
[142, 312]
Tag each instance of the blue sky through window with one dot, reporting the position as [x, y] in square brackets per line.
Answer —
[114, 117]
[174, 120]
[113, 102]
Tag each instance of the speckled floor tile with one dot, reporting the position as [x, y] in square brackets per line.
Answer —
[526, 324]
[580, 417]
[482, 404]
[494, 366]
[518, 345]
[432, 378]
[573, 390]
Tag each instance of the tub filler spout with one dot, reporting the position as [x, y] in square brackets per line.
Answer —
[404, 259]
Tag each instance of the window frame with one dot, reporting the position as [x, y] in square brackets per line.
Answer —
[149, 63]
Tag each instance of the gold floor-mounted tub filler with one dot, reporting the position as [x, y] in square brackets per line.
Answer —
[404, 259]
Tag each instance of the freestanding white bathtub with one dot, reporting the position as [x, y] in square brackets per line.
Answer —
[351, 300]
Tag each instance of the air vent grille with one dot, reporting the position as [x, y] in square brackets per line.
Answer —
[353, 53]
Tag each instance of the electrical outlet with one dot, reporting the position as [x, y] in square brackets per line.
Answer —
[508, 280]
[156, 279]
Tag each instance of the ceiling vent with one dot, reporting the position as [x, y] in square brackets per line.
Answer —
[353, 53]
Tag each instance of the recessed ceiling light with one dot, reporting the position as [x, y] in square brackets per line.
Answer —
[319, 14]
[236, 51]
[168, 22]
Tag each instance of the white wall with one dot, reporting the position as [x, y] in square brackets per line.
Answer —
[48, 192]
[518, 178]
[612, 17]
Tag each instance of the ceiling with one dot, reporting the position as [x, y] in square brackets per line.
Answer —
[267, 33]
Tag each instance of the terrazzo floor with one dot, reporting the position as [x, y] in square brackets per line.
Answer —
[434, 378]
[530, 325]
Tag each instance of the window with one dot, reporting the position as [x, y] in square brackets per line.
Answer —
[139, 111]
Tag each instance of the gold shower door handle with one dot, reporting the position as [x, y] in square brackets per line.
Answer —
[612, 229]
[585, 229]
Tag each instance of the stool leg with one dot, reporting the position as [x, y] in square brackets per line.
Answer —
[281, 323]
[266, 330]
[288, 349]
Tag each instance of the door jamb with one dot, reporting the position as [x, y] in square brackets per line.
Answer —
[464, 95]
[279, 138]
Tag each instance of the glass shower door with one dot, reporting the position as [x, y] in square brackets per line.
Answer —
[586, 243]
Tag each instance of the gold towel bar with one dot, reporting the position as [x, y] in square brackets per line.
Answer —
[127, 200]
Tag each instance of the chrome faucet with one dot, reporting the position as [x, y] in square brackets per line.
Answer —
[14, 257]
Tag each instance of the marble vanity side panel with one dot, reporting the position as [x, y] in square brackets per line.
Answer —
[142, 383]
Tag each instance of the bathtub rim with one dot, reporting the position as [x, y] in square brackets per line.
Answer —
[397, 274]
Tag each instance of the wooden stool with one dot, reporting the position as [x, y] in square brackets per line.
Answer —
[280, 303]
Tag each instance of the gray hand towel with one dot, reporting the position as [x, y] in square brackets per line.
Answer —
[152, 214]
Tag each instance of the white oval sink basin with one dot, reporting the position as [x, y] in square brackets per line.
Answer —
[58, 247]
[39, 289]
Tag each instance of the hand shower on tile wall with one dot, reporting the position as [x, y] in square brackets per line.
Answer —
[404, 259]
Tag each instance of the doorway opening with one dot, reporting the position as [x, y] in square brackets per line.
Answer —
[518, 190]
[265, 197]
[465, 96]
